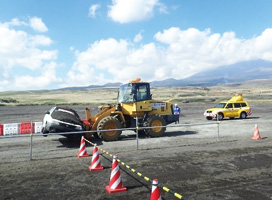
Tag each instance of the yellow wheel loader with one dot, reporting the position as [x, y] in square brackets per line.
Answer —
[134, 102]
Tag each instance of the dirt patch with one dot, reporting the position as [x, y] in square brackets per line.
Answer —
[190, 160]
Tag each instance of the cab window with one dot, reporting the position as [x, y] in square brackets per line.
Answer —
[237, 105]
[229, 105]
[142, 93]
[243, 105]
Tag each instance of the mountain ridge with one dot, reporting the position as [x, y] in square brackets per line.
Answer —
[238, 72]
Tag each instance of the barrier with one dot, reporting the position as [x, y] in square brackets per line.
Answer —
[179, 196]
[25, 128]
[20, 128]
[115, 184]
[256, 135]
[11, 129]
[38, 127]
[1, 129]
[96, 162]
[155, 193]
[82, 149]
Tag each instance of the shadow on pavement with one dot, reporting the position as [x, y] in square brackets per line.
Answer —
[167, 134]
[70, 143]
[75, 143]
[178, 133]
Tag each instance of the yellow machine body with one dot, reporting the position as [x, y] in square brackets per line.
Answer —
[134, 101]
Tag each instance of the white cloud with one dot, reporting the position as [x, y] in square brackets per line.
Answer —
[38, 40]
[20, 50]
[124, 11]
[138, 37]
[175, 54]
[16, 22]
[119, 59]
[37, 24]
[93, 9]
[47, 77]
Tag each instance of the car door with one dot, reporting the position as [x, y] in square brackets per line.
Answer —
[237, 109]
[229, 109]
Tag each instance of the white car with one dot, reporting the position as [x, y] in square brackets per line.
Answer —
[61, 119]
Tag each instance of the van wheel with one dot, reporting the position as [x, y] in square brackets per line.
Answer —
[243, 115]
[220, 116]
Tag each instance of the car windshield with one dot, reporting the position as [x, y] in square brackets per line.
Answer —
[125, 94]
[220, 105]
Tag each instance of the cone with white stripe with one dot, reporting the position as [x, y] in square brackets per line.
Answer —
[256, 135]
[155, 193]
[96, 163]
[115, 184]
[82, 149]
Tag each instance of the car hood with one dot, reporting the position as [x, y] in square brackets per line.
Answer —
[214, 109]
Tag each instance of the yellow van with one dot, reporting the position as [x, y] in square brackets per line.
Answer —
[235, 107]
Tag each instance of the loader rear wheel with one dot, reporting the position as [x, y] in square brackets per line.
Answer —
[155, 120]
[109, 123]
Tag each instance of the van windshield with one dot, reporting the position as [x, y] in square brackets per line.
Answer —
[220, 105]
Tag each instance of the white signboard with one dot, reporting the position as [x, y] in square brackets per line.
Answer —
[158, 105]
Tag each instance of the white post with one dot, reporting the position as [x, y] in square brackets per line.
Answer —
[31, 135]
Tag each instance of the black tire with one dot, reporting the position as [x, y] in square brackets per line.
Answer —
[109, 122]
[141, 133]
[96, 135]
[209, 118]
[155, 120]
[44, 132]
[220, 116]
[243, 115]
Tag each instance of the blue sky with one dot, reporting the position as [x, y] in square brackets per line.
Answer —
[52, 44]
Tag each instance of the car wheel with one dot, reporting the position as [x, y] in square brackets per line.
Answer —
[220, 116]
[243, 115]
[44, 132]
[209, 118]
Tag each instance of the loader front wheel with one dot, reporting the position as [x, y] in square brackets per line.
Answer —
[155, 120]
[109, 122]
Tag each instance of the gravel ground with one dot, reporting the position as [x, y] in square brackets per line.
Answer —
[193, 161]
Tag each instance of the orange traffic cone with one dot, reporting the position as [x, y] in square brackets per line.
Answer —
[82, 149]
[96, 163]
[256, 135]
[155, 193]
[115, 184]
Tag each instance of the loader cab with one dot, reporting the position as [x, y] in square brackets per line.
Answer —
[134, 92]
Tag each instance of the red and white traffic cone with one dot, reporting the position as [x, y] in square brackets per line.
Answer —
[115, 184]
[256, 135]
[96, 163]
[82, 149]
[155, 193]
